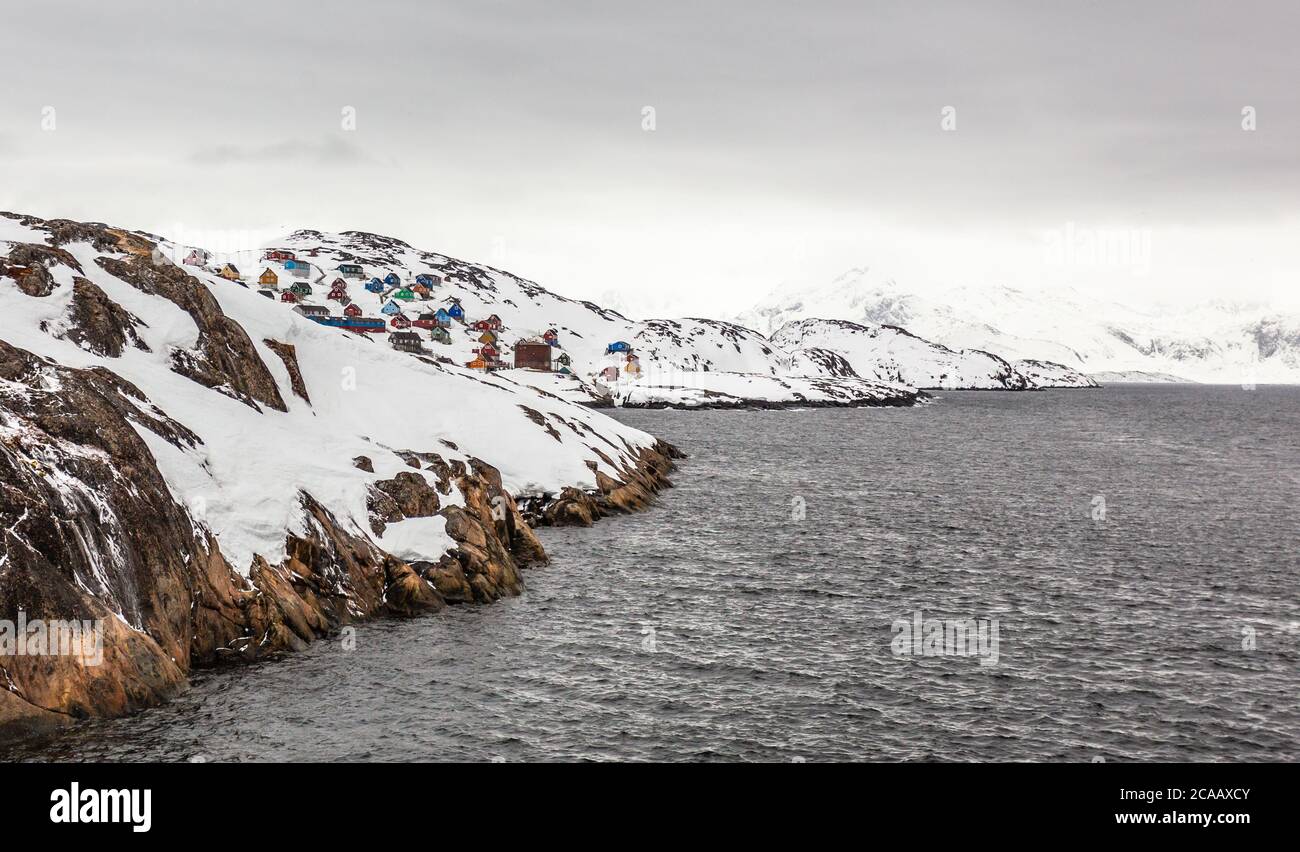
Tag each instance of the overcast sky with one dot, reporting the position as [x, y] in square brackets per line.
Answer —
[790, 141]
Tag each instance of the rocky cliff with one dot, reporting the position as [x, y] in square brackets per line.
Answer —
[210, 482]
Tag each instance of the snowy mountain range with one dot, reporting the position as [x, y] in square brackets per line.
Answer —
[895, 355]
[1212, 342]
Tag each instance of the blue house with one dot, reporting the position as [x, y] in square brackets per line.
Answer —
[392, 280]
[374, 285]
[456, 312]
[618, 346]
[442, 317]
[428, 280]
[350, 269]
[390, 307]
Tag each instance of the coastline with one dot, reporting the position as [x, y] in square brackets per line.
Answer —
[332, 579]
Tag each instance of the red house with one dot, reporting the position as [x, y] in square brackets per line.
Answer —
[278, 254]
[351, 311]
[487, 351]
[337, 294]
[288, 296]
[400, 321]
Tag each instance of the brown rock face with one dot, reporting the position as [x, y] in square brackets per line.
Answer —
[225, 356]
[289, 355]
[412, 494]
[105, 543]
[100, 324]
[29, 265]
[574, 507]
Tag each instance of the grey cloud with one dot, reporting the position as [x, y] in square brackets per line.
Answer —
[329, 151]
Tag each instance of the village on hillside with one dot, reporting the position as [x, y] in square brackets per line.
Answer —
[412, 313]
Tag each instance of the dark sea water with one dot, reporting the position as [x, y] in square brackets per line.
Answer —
[720, 626]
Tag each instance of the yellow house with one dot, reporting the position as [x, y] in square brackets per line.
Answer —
[230, 272]
[268, 278]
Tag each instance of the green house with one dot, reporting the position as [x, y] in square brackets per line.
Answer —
[440, 335]
[301, 289]
[404, 294]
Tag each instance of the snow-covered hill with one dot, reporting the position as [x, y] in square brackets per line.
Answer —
[210, 474]
[892, 354]
[1216, 342]
[713, 358]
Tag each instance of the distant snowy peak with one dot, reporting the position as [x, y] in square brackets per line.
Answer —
[1213, 342]
[889, 353]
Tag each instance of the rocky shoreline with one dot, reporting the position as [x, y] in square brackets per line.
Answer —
[330, 579]
[770, 405]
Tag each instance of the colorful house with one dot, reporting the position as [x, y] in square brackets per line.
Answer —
[374, 285]
[392, 280]
[633, 365]
[400, 321]
[488, 351]
[338, 294]
[442, 318]
[428, 280]
[488, 337]
[618, 346]
[390, 307]
[552, 337]
[298, 268]
[339, 283]
[352, 311]
[312, 310]
[405, 341]
[532, 355]
[196, 257]
[456, 312]
[422, 291]
[476, 364]
[268, 278]
[279, 254]
[351, 270]
[404, 294]
[440, 335]
[288, 296]
[301, 289]
[493, 322]
[230, 272]
[609, 374]
[564, 360]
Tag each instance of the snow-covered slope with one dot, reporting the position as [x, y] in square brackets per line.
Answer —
[210, 474]
[1216, 342]
[891, 354]
[719, 356]
[250, 461]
